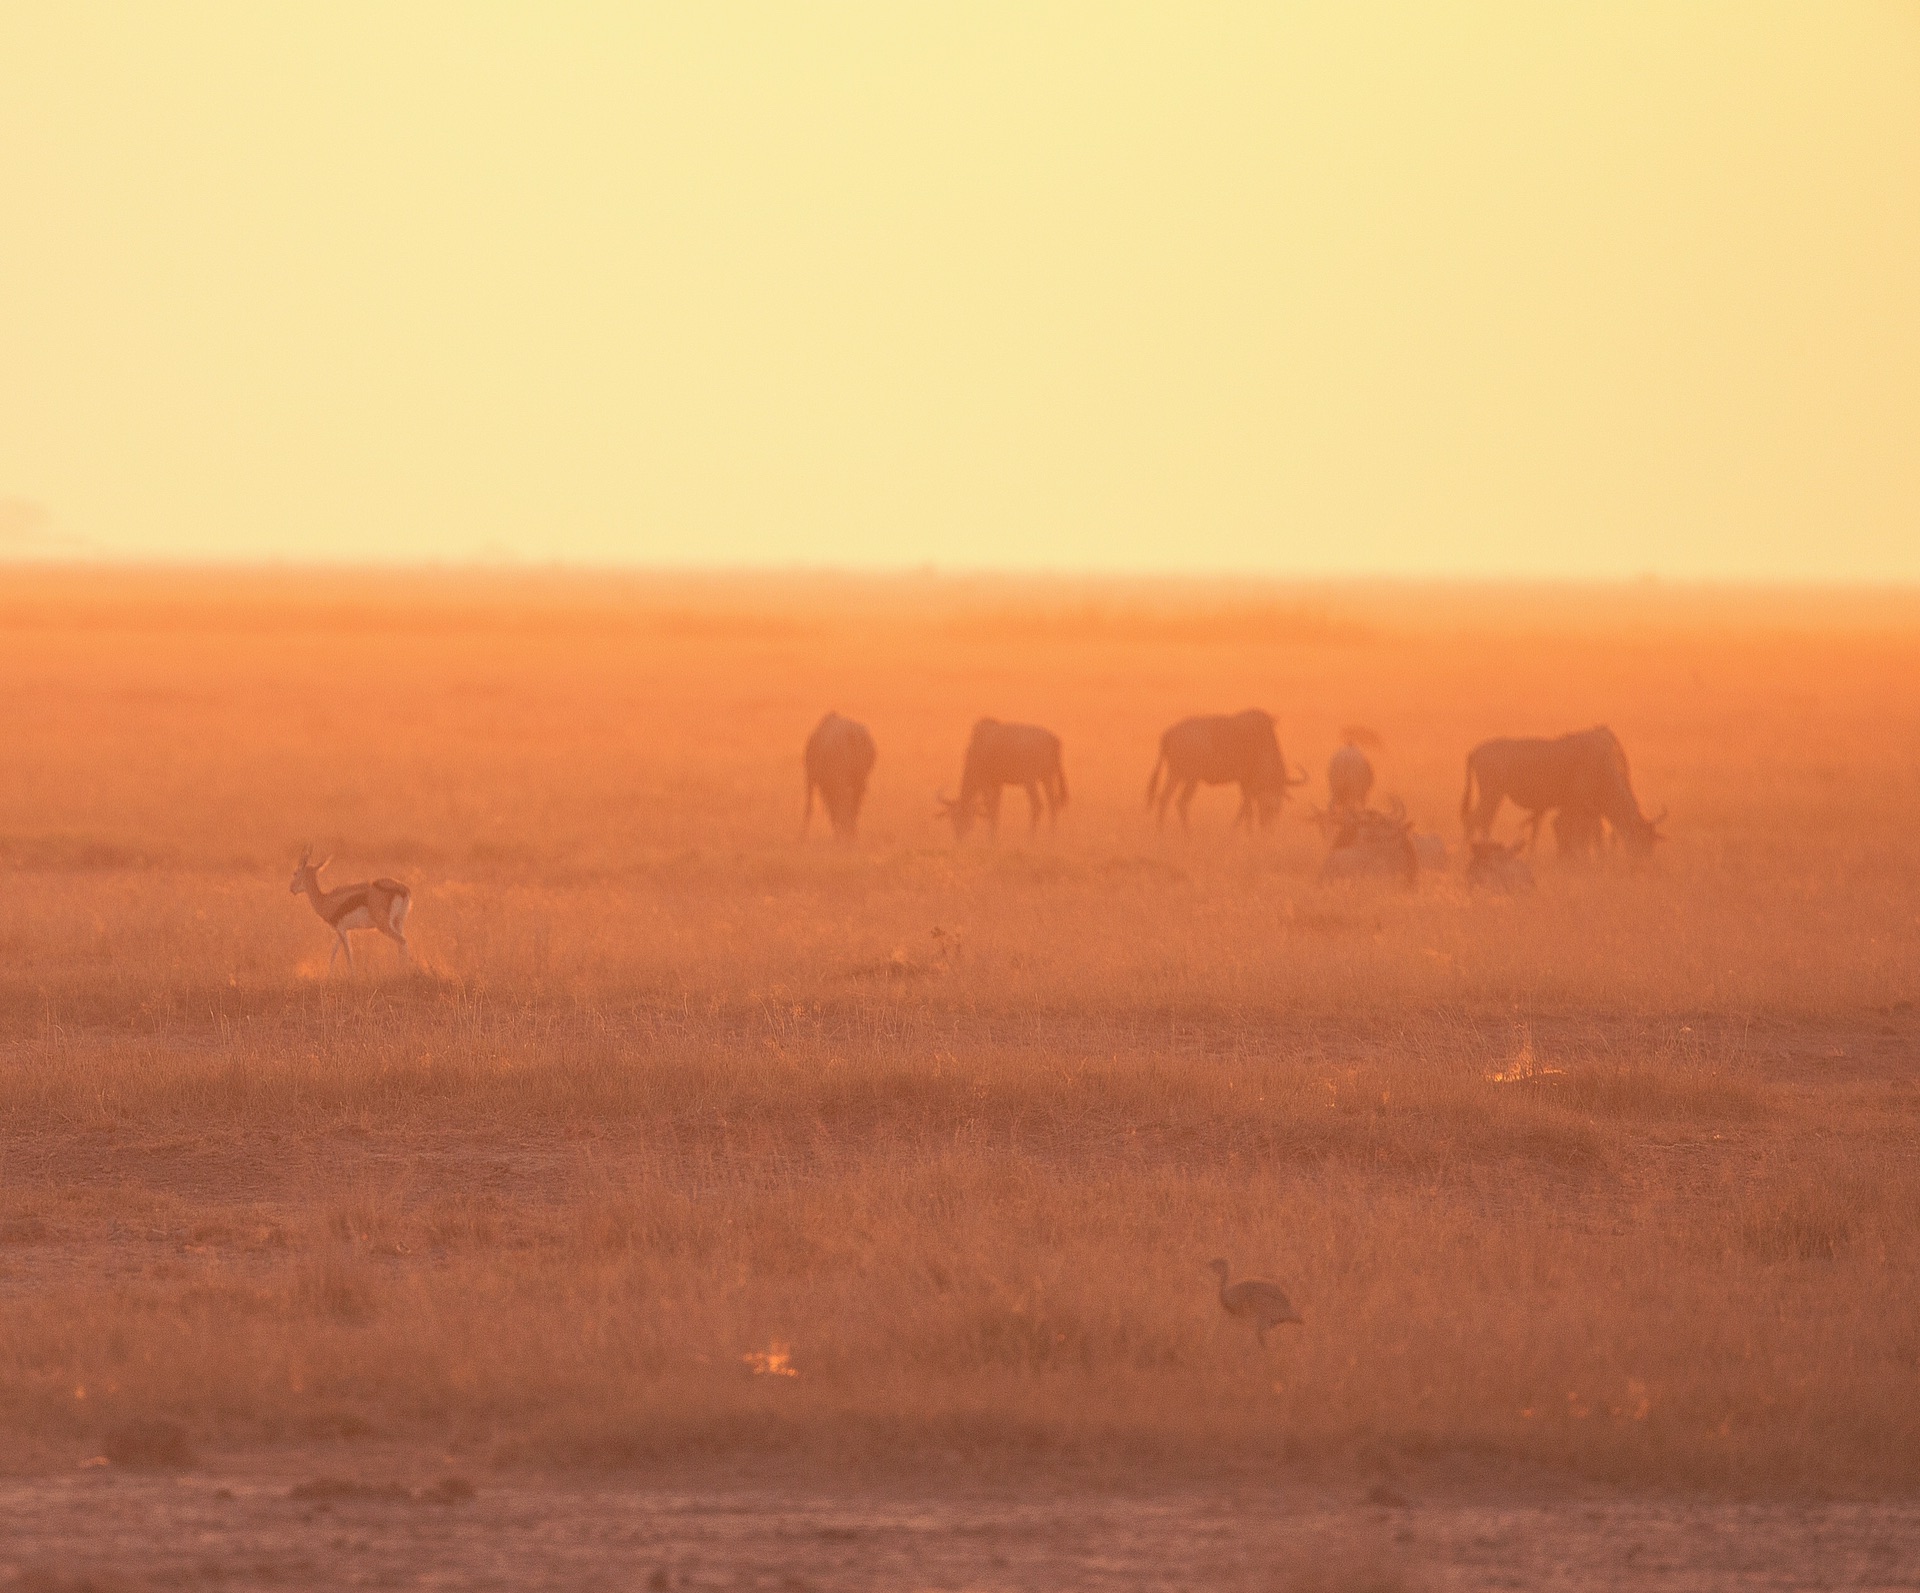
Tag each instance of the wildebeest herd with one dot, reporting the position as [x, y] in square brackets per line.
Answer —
[1580, 779]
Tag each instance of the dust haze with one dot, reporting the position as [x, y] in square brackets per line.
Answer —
[869, 1188]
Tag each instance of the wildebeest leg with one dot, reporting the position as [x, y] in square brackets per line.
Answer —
[1535, 818]
[806, 818]
[1185, 801]
[992, 801]
[1485, 811]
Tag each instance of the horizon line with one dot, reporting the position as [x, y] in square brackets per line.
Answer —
[935, 571]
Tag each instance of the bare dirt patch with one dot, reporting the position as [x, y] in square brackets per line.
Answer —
[251, 1527]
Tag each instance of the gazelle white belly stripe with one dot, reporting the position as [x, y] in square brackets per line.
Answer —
[359, 918]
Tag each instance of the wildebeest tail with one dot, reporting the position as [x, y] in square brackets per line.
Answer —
[1059, 783]
[1153, 780]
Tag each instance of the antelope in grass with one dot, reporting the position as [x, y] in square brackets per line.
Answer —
[373, 904]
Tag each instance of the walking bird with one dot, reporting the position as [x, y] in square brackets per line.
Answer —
[1263, 1304]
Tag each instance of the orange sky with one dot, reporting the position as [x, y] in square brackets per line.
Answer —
[1500, 289]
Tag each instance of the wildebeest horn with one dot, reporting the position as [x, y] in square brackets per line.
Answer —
[1658, 818]
[1299, 778]
[305, 853]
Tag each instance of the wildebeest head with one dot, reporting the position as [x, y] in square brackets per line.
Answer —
[958, 812]
[1614, 786]
[1276, 780]
[1639, 834]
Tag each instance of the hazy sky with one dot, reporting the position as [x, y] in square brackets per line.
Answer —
[1527, 289]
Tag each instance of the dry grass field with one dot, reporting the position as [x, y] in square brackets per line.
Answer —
[686, 1143]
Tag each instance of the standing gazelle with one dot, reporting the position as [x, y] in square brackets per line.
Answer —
[373, 904]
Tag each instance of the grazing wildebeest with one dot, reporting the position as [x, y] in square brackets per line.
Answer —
[1349, 779]
[1585, 771]
[1002, 755]
[1494, 866]
[1223, 749]
[1372, 845]
[838, 759]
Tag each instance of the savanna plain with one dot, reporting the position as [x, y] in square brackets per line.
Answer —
[707, 1206]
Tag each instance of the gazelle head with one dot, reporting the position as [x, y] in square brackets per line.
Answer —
[305, 873]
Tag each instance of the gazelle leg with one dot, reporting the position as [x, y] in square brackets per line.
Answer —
[346, 946]
[333, 951]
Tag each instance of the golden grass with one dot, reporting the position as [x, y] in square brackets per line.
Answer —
[1618, 1177]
